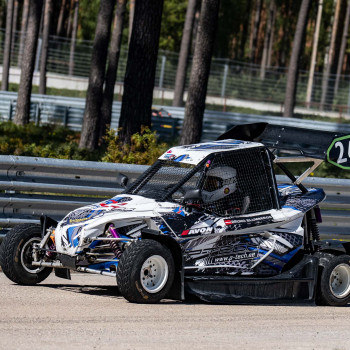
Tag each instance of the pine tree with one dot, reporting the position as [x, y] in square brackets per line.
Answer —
[195, 105]
[31, 42]
[184, 54]
[45, 46]
[293, 69]
[90, 128]
[111, 75]
[141, 68]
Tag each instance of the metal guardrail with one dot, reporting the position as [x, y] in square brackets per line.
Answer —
[70, 111]
[30, 187]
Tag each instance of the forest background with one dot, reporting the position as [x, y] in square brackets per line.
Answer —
[241, 29]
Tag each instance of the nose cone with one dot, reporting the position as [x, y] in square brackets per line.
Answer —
[119, 203]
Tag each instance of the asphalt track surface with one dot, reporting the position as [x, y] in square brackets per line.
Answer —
[88, 313]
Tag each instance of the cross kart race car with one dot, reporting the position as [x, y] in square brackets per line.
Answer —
[207, 220]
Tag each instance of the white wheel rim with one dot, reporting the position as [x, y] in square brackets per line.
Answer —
[154, 274]
[26, 256]
[339, 281]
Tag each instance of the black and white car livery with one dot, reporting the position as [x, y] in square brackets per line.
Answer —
[207, 219]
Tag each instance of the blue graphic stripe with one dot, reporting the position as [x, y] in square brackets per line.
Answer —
[284, 258]
[290, 207]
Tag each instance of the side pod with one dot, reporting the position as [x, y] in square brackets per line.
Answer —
[297, 285]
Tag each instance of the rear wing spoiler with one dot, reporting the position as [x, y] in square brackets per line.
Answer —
[332, 147]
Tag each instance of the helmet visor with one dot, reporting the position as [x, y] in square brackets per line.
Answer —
[212, 183]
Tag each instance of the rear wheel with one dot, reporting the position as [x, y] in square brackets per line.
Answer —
[334, 286]
[16, 255]
[145, 272]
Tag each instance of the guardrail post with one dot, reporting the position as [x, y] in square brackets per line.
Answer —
[65, 120]
[10, 111]
[37, 114]
[162, 69]
[224, 79]
[38, 54]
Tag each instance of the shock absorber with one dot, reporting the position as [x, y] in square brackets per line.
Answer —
[114, 244]
[314, 227]
[51, 243]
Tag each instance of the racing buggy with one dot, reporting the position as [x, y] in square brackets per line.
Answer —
[207, 220]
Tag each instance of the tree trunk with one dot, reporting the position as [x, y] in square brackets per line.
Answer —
[45, 46]
[269, 52]
[195, 105]
[195, 24]
[140, 68]
[330, 57]
[256, 26]
[25, 85]
[90, 132]
[293, 69]
[74, 37]
[60, 18]
[7, 47]
[245, 30]
[267, 39]
[111, 76]
[314, 54]
[285, 44]
[184, 54]
[342, 48]
[2, 13]
[24, 24]
[131, 17]
[14, 27]
[70, 22]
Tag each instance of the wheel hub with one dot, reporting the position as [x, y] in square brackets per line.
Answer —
[154, 274]
[27, 257]
[339, 281]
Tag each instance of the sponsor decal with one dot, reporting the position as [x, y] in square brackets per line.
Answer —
[179, 210]
[81, 215]
[110, 204]
[115, 203]
[170, 156]
[176, 158]
[241, 256]
[72, 221]
[164, 228]
[248, 221]
[198, 231]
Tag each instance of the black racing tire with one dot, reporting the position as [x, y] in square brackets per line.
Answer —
[16, 257]
[334, 282]
[145, 272]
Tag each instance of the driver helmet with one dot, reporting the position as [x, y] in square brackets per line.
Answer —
[219, 183]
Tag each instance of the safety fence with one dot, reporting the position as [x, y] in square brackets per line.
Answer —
[69, 112]
[30, 187]
[228, 78]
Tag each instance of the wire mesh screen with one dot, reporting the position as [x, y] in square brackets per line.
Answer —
[237, 183]
[161, 178]
[234, 183]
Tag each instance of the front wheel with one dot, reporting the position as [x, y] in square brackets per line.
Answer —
[334, 284]
[145, 272]
[16, 255]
